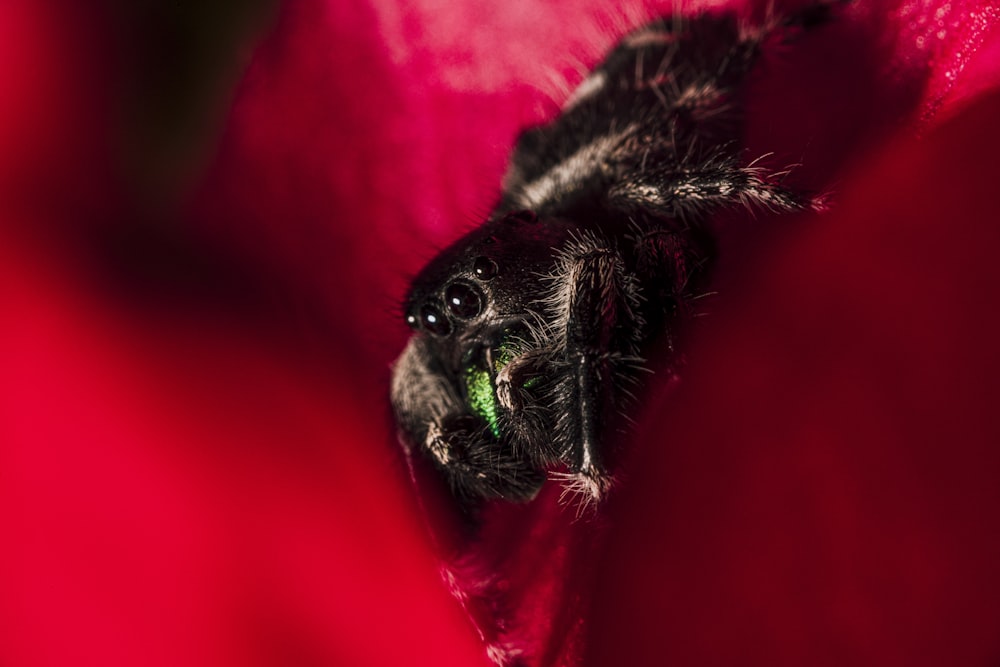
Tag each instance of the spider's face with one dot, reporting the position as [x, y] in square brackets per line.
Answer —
[479, 292]
[471, 386]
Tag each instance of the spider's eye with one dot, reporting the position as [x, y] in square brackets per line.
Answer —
[411, 321]
[522, 216]
[463, 300]
[434, 321]
[484, 268]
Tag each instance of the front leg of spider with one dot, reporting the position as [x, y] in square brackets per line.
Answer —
[597, 303]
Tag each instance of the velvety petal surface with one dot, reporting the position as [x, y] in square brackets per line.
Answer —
[197, 463]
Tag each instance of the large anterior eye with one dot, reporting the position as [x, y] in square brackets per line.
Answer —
[463, 300]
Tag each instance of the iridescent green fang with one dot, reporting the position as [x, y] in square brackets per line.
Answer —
[482, 397]
[481, 389]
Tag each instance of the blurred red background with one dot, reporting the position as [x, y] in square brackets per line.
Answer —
[208, 215]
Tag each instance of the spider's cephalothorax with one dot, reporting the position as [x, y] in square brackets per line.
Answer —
[531, 330]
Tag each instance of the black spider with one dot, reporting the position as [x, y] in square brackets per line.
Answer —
[531, 330]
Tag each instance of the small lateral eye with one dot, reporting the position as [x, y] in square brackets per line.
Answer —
[484, 268]
[463, 300]
[434, 320]
[527, 215]
[412, 321]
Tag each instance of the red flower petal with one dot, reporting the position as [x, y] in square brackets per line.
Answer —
[197, 464]
[823, 491]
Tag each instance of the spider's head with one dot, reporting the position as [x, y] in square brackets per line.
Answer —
[473, 304]
[486, 280]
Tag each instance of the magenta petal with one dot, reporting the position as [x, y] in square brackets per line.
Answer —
[187, 483]
[886, 70]
[181, 481]
[823, 490]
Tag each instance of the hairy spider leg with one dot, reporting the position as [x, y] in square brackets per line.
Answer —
[600, 330]
[690, 194]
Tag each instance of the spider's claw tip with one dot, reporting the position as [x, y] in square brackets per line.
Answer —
[587, 486]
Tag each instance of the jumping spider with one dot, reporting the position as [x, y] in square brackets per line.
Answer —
[530, 331]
